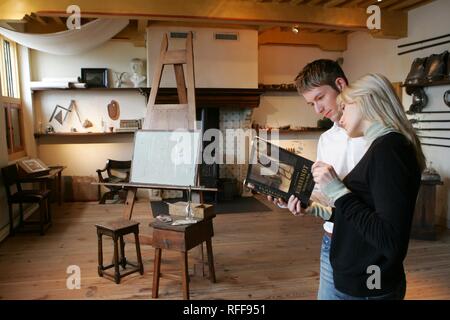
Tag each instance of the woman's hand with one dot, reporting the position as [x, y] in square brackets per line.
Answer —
[323, 173]
[294, 206]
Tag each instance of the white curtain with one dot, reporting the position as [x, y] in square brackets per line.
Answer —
[70, 42]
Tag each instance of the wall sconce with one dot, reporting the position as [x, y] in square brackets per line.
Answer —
[295, 29]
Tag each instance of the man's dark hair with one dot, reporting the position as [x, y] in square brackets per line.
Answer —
[319, 73]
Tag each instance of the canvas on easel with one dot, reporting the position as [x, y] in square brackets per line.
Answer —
[170, 117]
[166, 157]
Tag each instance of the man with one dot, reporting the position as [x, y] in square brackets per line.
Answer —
[320, 82]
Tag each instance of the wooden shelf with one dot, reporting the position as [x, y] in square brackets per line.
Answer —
[84, 89]
[305, 129]
[444, 82]
[279, 90]
[205, 97]
[81, 134]
[278, 87]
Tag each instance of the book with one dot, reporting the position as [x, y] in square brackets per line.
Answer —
[279, 173]
[33, 168]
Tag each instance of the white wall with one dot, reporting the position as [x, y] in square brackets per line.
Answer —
[281, 64]
[218, 63]
[221, 64]
[83, 157]
[92, 105]
[114, 55]
[366, 54]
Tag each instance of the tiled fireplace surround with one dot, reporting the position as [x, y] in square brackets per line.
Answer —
[235, 119]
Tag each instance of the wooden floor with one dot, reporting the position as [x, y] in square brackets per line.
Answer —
[270, 255]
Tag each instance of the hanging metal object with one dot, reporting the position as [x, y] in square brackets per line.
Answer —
[447, 97]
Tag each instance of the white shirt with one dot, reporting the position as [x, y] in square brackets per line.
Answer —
[336, 148]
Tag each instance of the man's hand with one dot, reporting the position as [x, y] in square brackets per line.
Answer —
[279, 202]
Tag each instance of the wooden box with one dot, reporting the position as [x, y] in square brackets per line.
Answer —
[80, 189]
[423, 225]
[199, 210]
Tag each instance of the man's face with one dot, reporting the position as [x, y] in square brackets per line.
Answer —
[323, 99]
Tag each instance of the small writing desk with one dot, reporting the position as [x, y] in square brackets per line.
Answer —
[181, 238]
[53, 175]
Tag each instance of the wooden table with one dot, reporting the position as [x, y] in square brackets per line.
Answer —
[53, 175]
[182, 238]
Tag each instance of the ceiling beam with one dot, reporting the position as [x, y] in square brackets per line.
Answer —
[58, 20]
[313, 2]
[326, 41]
[38, 19]
[422, 3]
[218, 11]
[405, 4]
[353, 3]
[296, 2]
[142, 25]
[5, 25]
[386, 3]
[334, 3]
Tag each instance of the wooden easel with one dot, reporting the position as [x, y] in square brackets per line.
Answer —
[173, 116]
[169, 116]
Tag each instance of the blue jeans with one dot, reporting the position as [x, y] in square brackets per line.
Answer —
[326, 282]
[327, 291]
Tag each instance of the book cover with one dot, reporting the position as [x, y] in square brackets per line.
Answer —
[32, 167]
[279, 173]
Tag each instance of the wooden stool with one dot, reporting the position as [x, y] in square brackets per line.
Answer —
[182, 239]
[116, 230]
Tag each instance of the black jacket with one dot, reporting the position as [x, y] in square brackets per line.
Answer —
[372, 224]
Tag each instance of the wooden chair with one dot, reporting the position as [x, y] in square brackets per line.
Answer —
[113, 168]
[41, 197]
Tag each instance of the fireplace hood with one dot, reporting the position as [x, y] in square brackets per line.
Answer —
[211, 97]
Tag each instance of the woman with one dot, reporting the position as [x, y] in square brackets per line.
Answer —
[374, 204]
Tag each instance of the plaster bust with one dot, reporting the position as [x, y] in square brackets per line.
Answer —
[137, 72]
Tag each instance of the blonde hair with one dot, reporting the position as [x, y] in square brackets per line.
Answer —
[378, 101]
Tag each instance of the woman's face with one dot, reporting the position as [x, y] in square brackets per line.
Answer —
[352, 119]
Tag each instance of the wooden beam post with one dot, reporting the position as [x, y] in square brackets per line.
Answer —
[218, 11]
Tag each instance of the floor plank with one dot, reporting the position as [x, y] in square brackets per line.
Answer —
[260, 255]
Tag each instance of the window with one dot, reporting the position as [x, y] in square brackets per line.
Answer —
[10, 98]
